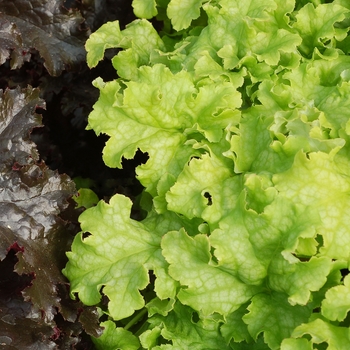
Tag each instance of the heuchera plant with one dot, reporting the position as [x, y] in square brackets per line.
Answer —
[243, 110]
[36, 220]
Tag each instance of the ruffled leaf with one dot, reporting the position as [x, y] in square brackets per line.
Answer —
[115, 338]
[145, 8]
[324, 332]
[336, 304]
[273, 315]
[191, 264]
[46, 27]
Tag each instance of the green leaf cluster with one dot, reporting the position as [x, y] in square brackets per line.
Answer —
[243, 110]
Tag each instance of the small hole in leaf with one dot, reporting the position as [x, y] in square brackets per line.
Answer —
[86, 235]
[208, 196]
[316, 310]
[193, 157]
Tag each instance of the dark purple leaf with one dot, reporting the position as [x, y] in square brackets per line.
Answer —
[31, 198]
[10, 39]
[17, 119]
[33, 296]
[21, 328]
[44, 25]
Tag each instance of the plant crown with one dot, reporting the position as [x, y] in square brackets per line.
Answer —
[243, 110]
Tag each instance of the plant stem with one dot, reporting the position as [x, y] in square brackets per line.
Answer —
[135, 319]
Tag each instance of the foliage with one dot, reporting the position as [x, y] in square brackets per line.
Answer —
[27, 25]
[31, 198]
[42, 62]
[242, 109]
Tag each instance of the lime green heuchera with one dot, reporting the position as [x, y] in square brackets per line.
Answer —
[243, 108]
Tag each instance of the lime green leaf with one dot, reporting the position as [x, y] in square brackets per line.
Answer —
[333, 279]
[304, 134]
[238, 33]
[275, 37]
[139, 39]
[304, 183]
[168, 179]
[251, 27]
[316, 25]
[245, 120]
[189, 330]
[114, 338]
[300, 344]
[208, 288]
[234, 327]
[172, 101]
[145, 8]
[128, 135]
[198, 187]
[299, 279]
[321, 331]
[216, 107]
[234, 247]
[258, 155]
[161, 98]
[158, 306]
[281, 15]
[291, 223]
[114, 257]
[271, 43]
[335, 109]
[253, 345]
[321, 85]
[273, 315]
[159, 106]
[265, 244]
[260, 191]
[249, 8]
[336, 304]
[182, 12]
[150, 337]
[86, 198]
[343, 3]
[229, 55]
[107, 36]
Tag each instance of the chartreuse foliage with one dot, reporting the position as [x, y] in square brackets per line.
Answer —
[243, 109]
